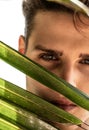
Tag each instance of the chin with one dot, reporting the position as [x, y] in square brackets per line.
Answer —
[76, 111]
[64, 126]
[80, 113]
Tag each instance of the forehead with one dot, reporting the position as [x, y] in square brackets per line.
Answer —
[56, 30]
[53, 23]
[52, 18]
[59, 17]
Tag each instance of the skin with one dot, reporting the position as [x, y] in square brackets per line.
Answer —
[58, 46]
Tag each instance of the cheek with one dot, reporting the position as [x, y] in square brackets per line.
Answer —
[82, 79]
[41, 90]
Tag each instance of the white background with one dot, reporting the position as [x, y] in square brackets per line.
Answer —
[11, 26]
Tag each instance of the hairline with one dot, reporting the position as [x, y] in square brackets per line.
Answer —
[33, 23]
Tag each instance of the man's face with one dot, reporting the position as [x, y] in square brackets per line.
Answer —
[59, 47]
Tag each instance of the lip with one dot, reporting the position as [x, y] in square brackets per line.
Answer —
[65, 105]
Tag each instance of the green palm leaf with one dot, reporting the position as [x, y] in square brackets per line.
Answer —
[19, 116]
[40, 74]
[6, 125]
[35, 104]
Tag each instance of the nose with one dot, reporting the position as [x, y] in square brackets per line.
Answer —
[68, 74]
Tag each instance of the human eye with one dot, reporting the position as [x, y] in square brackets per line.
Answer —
[49, 57]
[85, 61]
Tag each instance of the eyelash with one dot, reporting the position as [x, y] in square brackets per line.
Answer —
[53, 57]
[85, 61]
[49, 57]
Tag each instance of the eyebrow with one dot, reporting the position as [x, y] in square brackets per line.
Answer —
[84, 55]
[42, 48]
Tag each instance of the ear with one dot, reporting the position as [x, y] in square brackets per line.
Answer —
[21, 44]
